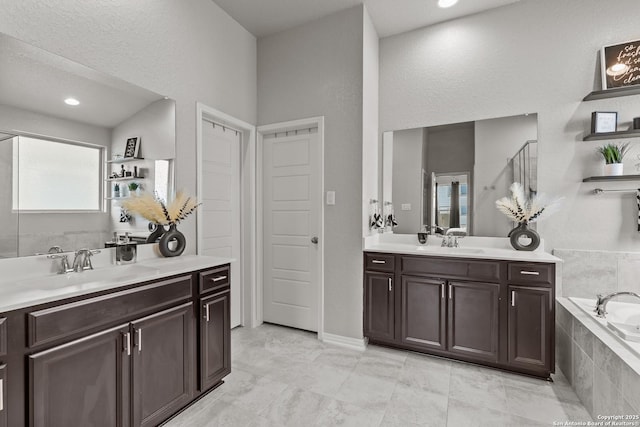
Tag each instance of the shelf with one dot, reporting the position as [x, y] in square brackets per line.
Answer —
[612, 178]
[634, 133]
[126, 178]
[125, 160]
[117, 198]
[613, 93]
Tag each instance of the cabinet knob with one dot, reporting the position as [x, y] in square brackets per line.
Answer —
[314, 240]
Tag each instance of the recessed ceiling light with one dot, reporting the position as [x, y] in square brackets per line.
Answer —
[72, 101]
[446, 3]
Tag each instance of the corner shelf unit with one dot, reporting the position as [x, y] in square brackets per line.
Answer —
[612, 93]
[634, 133]
[612, 178]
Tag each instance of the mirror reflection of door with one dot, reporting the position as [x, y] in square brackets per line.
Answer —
[452, 201]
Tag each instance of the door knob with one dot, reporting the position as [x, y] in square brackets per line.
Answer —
[314, 240]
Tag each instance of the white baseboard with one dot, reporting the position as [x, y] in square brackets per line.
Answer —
[352, 343]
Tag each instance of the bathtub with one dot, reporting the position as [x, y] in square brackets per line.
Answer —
[623, 320]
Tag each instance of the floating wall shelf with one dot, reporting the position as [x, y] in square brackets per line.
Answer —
[634, 133]
[612, 178]
[126, 178]
[125, 160]
[613, 93]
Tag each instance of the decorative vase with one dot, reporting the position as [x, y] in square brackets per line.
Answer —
[172, 243]
[156, 230]
[613, 169]
[523, 231]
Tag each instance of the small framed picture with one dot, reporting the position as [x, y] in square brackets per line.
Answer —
[132, 149]
[604, 121]
[619, 63]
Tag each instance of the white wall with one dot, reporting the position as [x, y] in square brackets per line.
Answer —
[407, 179]
[317, 70]
[188, 50]
[370, 135]
[497, 141]
[487, 65]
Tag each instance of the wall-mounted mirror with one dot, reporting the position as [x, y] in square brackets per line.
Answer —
[451, 175]
[64, 130]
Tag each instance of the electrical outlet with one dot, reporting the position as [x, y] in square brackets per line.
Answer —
[406, 206]
[331, 197]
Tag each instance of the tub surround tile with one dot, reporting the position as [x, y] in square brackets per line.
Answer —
[584, 338]
[564, 353]
[583, 377]
[628, 268]
[631, 387]
[587, 273]
[608, 362]
[564, 319]
[607, 398]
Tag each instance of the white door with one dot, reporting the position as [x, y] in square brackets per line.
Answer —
[221, 202]
[292, 194]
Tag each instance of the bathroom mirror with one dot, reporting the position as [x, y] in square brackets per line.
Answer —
[64, 130]
[451, 175]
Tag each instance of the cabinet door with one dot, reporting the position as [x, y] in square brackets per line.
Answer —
[378, 306]
[423, 312]
[3, 395]
[530, 322]
[215, 340]
[162, 354]
[473, 319]
[82, 383]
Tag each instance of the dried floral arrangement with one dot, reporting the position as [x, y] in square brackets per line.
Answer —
[522, 210]
[157, 211]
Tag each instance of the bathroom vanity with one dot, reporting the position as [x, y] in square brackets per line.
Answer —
[131, 349]
[461, 304]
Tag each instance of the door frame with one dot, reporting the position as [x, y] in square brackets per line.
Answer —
[291, 125]
[247, 261]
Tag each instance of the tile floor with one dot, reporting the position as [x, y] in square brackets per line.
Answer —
[286, 377]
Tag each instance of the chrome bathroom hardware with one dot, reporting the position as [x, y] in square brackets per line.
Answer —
[64, 263]
[624, 190]
[602, 300]
[82, 260]
[390, 285]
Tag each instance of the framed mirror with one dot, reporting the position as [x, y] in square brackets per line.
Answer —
[64, 134]
[450, 176]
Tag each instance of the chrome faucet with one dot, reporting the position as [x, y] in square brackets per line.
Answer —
[450, 239]
[82, 260]
[601, 303]
[64, 262]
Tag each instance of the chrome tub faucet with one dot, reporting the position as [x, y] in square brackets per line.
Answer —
[602, 300]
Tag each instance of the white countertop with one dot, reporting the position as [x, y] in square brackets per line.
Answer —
[469, 247]
[16, 293]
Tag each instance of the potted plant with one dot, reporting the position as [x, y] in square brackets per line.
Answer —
[134, 187]
[613, 155]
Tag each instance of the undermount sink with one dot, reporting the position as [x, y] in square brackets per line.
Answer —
[111, 273]
[447, 250]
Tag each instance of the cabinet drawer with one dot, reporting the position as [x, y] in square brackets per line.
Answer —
[454, 268]
[528, 272]
[215, 279]
[379, 262]
[54, 323]
[3, 336]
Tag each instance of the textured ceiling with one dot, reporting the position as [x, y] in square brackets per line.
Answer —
[36, 80]
[264, 17]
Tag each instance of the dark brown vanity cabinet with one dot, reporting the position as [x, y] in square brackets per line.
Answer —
[215, 339]
[379, 321]
[492, 312]
[128, 357]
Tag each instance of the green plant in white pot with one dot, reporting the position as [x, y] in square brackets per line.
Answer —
[613, 155]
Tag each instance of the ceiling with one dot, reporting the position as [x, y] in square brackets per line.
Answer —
[265, 17]
[36, 80]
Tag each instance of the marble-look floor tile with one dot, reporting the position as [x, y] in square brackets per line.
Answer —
[293, 407]
[541, 408]
[380, 367]
[482, 386]
[365, 390]
[338, 357]
[415, 406]
[347, 415]
[464, 413]
[559, 389]
[426, 373]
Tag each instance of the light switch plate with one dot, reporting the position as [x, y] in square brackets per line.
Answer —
[406, 206]
[331, 197]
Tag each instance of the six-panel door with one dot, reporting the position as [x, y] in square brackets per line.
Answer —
[530, 320]
[379, 306]
[82, 383]
[473, 319]
[215, 342]
[162, 357]
[423, 312]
